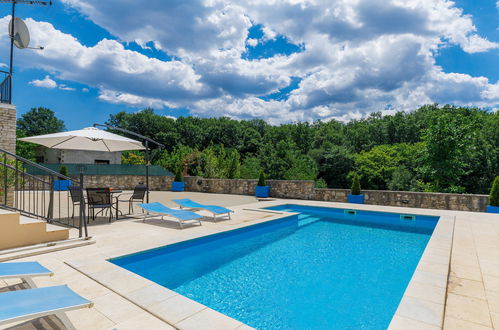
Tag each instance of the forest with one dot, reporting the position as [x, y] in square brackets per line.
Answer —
[433, 149]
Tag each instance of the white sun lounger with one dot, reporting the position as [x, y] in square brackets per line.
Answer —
[189, 204]
[23, 305]
[161, 210]
[24, 270]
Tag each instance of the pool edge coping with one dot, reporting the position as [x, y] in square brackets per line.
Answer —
[413, 309]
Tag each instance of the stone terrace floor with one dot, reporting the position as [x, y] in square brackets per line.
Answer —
[472, 289]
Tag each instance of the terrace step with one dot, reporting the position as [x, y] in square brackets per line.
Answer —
[17, 231]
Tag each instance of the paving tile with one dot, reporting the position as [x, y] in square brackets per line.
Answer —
[470, 273]
[466, 287]
[491, 282]
[89, 318]
[403, 323]
[493, 301]
[143, 321]
[495, 320]
[210, 319]
[433, 267]
[421, 310]
[426, 292]
[176, 309]
[451, 323]
[150, 295]
[490, 268]
[468, 309]
[438, 280]
[115, 308]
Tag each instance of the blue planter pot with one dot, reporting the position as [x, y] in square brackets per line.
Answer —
[355, 199]
[492, 209]
[177, 186]
[262, 191]
[62, 185]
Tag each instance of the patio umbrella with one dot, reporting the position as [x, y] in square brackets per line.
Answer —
[89, 138]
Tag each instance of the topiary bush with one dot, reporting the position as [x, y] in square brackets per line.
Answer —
[355, 190]
[63, 170]
[494, 193]
[261, 180]
[178, 175]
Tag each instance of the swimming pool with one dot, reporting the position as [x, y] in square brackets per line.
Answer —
[323, 268]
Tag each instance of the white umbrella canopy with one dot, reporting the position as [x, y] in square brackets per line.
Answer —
[90, 138]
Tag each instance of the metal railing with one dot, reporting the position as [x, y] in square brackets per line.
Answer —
[6, 88]
[38, 196]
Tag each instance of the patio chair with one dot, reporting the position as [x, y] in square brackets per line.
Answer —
[23, 270]
[194, 206]
[99, 198]
[75, 194]
[22, 305]
[138, 195]
[161, 210]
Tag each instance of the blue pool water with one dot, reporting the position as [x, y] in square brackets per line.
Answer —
[321, 269]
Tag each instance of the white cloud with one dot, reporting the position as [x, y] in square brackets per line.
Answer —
[357, 57]
[46, 82]
[66, 88]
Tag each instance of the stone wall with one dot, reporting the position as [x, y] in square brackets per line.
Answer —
[8, 127]
[126, 182]
[297, 189]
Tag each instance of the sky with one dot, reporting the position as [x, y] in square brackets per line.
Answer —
[278, 60]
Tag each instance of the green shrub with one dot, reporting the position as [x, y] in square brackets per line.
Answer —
[261, 180]
[355, 185]
[178, 175]
[320, 183]
[63, 170]
[494, 193]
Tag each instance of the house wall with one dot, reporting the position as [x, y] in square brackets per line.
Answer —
[8, 127]
[61, 156]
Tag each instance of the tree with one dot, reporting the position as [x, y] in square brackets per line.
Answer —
[446, 146]
[355, 189]
[39, 121]
[494, 193]
[250, 168]
[234, 171]
[132, 158]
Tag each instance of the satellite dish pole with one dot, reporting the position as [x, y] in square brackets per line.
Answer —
[8, 80]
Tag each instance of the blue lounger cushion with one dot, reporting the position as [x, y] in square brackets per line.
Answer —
[32, 303]
[162, 209]
[189, 203]
[23, 269]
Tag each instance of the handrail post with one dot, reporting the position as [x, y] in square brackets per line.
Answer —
[50, 214]
[83, 222]
[5, 192]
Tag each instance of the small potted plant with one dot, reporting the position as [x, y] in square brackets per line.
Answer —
[178, 182]
[355, 196]
[493, 206]
[262, 190]
[61, 184]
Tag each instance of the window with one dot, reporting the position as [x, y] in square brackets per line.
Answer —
[102, 161]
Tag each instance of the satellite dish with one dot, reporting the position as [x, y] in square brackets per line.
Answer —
[21, 33]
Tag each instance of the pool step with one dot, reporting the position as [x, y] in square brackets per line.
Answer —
[307, 220]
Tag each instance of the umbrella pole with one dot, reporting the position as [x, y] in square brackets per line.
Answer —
[147, 170]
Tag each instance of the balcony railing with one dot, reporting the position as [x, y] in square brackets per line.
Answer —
[5, 87]
[35, 195]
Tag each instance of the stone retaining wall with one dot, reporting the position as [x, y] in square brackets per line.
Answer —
[297, 189]
[127, 182]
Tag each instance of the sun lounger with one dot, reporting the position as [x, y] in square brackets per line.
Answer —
[161, 210]
[22, 305]
[195, 206]
[24, 270]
